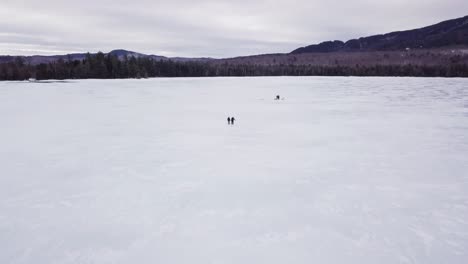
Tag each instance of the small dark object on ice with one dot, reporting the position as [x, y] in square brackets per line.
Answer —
[277, 97]
[229, 120]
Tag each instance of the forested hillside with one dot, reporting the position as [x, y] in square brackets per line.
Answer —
[101, 66]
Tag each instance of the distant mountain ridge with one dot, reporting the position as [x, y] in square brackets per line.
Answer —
[440, 44]
[447, 33]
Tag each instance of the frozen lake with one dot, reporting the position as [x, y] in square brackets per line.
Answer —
[343, 170]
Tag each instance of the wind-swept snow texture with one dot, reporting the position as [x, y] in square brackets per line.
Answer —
[343, 170]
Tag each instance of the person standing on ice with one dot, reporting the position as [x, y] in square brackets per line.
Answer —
[229, 120]
[232, 120]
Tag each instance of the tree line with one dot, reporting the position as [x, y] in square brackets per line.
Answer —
[102, 66]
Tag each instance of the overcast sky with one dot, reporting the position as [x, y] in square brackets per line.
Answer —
[205, 28]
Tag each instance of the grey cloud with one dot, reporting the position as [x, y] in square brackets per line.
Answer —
[205, 27]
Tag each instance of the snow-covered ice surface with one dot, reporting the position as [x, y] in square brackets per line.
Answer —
[344, 170]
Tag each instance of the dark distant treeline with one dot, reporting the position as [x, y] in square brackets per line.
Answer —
[101, 66]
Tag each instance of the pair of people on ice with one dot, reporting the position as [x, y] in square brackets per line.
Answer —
[231, 120]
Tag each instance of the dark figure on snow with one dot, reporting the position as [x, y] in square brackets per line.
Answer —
[232, 120]
[229, 120]
[277, 97]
